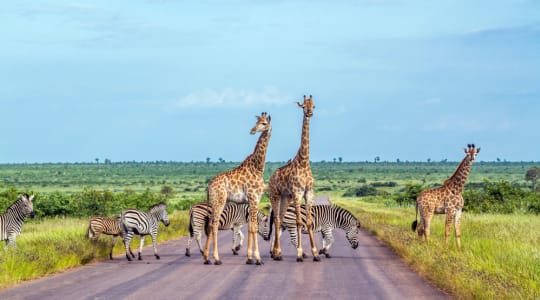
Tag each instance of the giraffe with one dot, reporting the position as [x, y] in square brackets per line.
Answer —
[242, 184]
[446, 199]
[291, 183]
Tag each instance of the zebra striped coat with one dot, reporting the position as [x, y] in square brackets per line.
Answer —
[11, 222]
[325, 219]
[234, 216]
[105, 225]
[134, 221]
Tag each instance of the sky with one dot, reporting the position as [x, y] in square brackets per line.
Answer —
[182, 80]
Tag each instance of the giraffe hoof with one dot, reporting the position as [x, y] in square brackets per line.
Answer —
[316, 258]
[157, 256]
[259, 262]
[217, 262]
[249, 261]
[299, 259]
[207, 262]
[304, 255]
[328, 255]
[278, 257]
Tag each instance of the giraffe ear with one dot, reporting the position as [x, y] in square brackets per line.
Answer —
[478, 150]
[300, 104]
[269, 118]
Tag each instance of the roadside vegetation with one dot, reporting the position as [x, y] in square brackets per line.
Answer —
[499, 257]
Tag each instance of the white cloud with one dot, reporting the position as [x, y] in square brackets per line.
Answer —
[233, 98]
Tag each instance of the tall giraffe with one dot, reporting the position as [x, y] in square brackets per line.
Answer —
[446, 199]
[242, 184]
[291, 183]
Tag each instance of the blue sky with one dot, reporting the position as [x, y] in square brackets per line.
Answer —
[182, 80]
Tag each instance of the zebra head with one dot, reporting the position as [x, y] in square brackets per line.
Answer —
[352, 234]
[159, 211]
[27, 205]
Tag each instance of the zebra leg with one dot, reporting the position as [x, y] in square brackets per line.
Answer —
[154, 244]
[112, 246]
[309, 224]
[329, 239]
[188, 246]
[140, 247]
[127, 240]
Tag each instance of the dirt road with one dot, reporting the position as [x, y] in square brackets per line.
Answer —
[371, 271]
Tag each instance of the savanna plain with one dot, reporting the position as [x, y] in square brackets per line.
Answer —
[499, 257]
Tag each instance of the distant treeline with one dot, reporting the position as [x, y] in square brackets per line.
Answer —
[90, 202]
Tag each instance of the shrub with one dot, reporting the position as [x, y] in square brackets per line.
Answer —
[361, 191]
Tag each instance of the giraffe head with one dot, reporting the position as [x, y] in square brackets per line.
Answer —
[307, 106]
[471, 151]
[263, 123]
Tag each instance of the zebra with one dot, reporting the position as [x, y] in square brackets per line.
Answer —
[325, 219]
[134, 221]
[11, 222]
[234, 216]
[110, 226]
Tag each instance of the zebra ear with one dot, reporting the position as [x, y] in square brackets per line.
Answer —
[31, 198]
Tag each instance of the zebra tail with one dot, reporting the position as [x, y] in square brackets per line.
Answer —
[415, 222]
[271, 223]
[190, 228]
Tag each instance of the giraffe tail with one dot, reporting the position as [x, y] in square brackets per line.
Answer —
[415, 222]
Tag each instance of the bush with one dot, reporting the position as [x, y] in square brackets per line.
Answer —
[409, 194]
[501, 197]
[361, 191]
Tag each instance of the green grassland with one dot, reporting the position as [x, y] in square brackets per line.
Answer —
[499, 257]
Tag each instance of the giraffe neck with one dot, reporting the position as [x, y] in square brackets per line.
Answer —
[457, 180]
[258, 158]
[302, 157]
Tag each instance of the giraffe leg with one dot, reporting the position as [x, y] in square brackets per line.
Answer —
[448, 223]
[427, 223]
[457, 218]
[252, 235]
[309, 225]
[299, 224]
[215, 227]
[206, 250]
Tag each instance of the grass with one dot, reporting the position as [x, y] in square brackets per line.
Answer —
[499, 258]
[52, 245]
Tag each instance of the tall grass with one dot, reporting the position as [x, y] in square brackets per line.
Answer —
[499, 257]
[51, 245]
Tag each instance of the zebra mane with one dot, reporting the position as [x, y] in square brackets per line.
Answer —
[159, 206]
[17, 202]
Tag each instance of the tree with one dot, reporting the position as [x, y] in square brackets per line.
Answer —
[376, 159]
[340, 159]
[97, 160]
[208, 160]
[532, 175]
